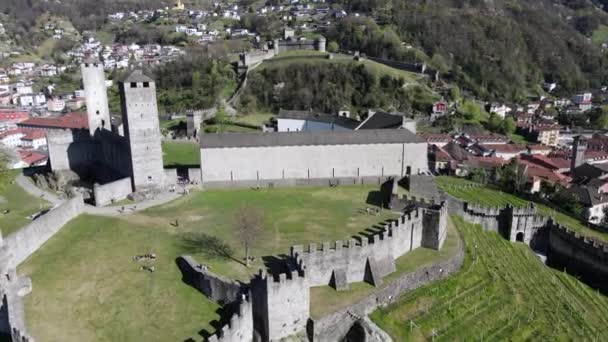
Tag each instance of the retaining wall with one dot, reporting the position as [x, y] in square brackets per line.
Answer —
[335, 326]
[217, 288]
[28, 239]
[112, 192]
[240, 327]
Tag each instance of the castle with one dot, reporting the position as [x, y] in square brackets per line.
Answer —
[274, 307]
[117, 160]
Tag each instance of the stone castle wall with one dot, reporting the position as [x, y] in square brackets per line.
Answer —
[111, 192]
[280, 306]
[240, 327]
[396, 239]
[335, 326]
[215, 287]
[578, 254]
[270, 183]
[28, 239]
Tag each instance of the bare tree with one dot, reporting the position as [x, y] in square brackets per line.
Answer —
[248, 223]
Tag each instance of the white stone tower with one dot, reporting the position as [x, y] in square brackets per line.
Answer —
[98, 111]
[141, 128]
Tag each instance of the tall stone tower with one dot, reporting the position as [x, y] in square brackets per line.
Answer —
[98, 111]
[141, 128]
[578, 152]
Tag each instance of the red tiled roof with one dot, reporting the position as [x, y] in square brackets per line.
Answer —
[71, 120]
[13, 116]
[596, 155]
[540, 160]
[10, 132]
[31, 157]
[539, 147]
[485, 161]
[33, 134]
[537, 171]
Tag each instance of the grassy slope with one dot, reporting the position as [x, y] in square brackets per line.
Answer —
[325, 300]
[600, 35]
[503, 292]
[181, 153]
[20, 204]
[471, 192]
[88, 288]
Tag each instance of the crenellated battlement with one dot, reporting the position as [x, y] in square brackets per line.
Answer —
[349, 260]
[240, 326]
[586, 242]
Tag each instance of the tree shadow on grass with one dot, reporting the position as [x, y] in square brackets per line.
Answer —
[207, 245]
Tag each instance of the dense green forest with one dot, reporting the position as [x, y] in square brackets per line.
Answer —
[329, 87]
[494, 49]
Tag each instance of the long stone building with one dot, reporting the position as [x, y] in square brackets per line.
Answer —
[318, 157]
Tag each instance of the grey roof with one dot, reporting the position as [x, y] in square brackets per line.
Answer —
[318, 117]
[588, 195]
[137, 76]
[371, 136]
[382, 120]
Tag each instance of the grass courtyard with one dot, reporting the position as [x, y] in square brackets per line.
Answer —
[474, 193]
[20, 205]
[87, 288]
[503, 292]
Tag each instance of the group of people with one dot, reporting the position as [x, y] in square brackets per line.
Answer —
[146, 257]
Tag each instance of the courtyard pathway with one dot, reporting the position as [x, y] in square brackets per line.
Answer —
[117, 210]
[33, 190]
[161, 198]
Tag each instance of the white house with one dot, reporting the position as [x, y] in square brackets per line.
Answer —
[11, 138]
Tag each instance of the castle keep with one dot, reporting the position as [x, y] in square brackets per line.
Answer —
[115, 164]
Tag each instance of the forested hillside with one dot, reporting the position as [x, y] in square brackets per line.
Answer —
[495, 48]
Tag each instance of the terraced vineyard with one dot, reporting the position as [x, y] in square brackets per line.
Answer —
[502, 292]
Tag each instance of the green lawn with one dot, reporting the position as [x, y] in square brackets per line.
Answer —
[20, 204]
[503, 292]
[87, 288]
[325, 300]
[181, 153]
[474, 193]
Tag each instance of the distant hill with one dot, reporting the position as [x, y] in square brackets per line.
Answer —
[494, 48]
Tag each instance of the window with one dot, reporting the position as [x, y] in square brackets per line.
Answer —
[133, 84]
[97, 112]
[146, 85]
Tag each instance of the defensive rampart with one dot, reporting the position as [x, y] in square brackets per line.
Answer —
[28, 239]
[217, 288]
[280, 306]
[334, 327]
[240, 327]
[111, 192]
[580, 255]
[354, 261]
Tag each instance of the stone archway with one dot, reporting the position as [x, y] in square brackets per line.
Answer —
[519, 237]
